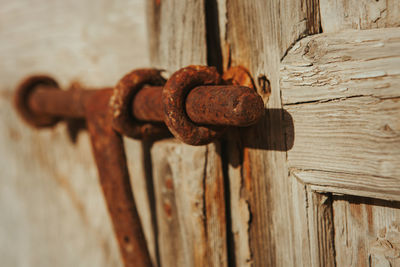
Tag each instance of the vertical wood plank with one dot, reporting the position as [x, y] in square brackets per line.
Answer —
[177, 33]
[170, 243]
[301, 215]
[143, 191]
[321, 229]
[256, 35]
[367, 231]
[190, 204]
[188, 180]
[51, 205]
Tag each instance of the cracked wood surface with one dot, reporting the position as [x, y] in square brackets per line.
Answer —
[261, 193]
[267, 208]
[190, 204]
[320, 229]
[188, 181]
[367, 232]
[342, 91]
[337, 15]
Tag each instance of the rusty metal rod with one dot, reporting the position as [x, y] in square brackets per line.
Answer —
[60, 103]
[208, 105]
[224, 105]
[147, 104]
[109, 153]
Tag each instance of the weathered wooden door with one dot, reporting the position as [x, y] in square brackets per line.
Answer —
[316, 182]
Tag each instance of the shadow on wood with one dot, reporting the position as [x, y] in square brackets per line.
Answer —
[278, 121]
[280, 131]
[275, 131]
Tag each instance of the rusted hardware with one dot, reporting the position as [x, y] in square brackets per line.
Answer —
[108, 150]
[205, 105]
[41, 104]
[22, 98]
[121, 104]
[193, 104]
[196, 109]
[175, 91]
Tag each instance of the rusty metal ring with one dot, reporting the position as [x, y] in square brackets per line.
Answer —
[174, 96]
[24, 90]
[121, 104]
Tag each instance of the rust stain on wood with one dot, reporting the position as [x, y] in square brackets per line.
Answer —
[356, 211]
[169, 184]
[168, 209]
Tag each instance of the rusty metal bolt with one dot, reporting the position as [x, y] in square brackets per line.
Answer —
[196, 108]
[224, 105]
[22, 97]
[121, 104]
[174, 96]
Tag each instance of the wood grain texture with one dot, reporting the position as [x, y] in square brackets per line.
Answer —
[139, 166]
[366, 232]
[170, 240]
[190, 204]
[332, 134]
[300, 195]
[188, 180]
[52, 209]
[321, 229]
[337, 15]
[347, 64]
[256, 35]
[341, 91]
[350, 184]
[177, 34]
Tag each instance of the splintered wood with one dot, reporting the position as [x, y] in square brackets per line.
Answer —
[342, 91]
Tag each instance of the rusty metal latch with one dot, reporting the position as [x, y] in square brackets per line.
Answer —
[196, 104]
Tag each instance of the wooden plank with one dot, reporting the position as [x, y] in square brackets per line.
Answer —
[188, 180]
[51, 205]
[190, 204]
[300, 196]
[352, 184]
[348, 64]
[366, 231]
[357, 135]
[177, 34]
[321, 229]
[169, 228]
[338, 15]
[341, 91]
[256, 35]
[139, 166]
